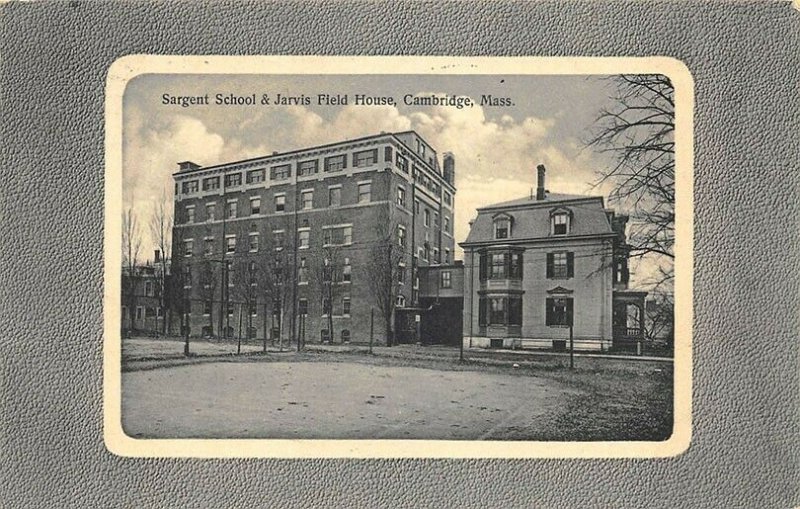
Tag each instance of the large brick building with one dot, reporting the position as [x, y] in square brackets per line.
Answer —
[536, 265]
[259, 241]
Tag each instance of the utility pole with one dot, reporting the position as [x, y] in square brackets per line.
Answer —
[371, 327]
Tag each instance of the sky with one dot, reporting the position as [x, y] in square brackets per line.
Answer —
[496, 149]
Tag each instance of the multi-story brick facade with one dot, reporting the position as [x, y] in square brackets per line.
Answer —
[256, 240]
[536, 265]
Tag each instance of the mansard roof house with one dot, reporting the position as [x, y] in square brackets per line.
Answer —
[538, 264]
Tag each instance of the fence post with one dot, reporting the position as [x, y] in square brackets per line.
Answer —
[571, 349]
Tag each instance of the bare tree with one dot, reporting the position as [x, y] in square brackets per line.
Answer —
[179, 287]
[327, 276]
[161, 237]
[247, 274]
[131, 247]
[382, 268]
[208, 289]
[659, 319]
[276, 279]
[638, 131]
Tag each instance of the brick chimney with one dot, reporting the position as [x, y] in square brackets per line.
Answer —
[157, 255]
[540, 182]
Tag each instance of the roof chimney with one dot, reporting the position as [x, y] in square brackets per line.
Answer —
[540, 182]
[158, 255]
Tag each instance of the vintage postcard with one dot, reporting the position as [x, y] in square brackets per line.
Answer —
[398, 257]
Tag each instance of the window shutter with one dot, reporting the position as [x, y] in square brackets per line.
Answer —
[482, 312]
[344, 161]
[387, 154]
[569, 311]
[519, 266]
[507, 264]
[549, 265]
[548, 312]
[483, 267]
[570, 264]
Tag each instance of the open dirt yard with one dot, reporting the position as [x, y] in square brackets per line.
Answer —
[335, 400]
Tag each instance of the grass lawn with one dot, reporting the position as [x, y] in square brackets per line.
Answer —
[401, 392]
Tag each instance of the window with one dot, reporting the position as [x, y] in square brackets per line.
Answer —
[346, 306]
[190, 187]
[559, 311]
[334, 196]
[498, 266]
[306, 168]
[210, 183]
[402, 163]
[148, 288]
[436, 255]
[448, 199]
[502, 228]
[501, 266]
[281, 172]
[421, 148]
[446, 282]
[446, 256]
[416, 206]
[253, 312]
[326, 306]
[231, 210]
[401, 236]
[278, 237]
[365, 158]
[401, 301]
[280, 202]
[559, 223]
[208, 246]
[387, 154]
[210, 211]
[186, 273]
[255, 176]
[560, 265]
[364, 192]
[436, 219]
[447, 224]
[233, 180]
[427, 217]
[302, 272]
[254, 240]
[401, 196]
[346, 271]
[515, 266]
[499, 311]
[302, 306]
[307, 199]
[337, 236]
[255, 206]
[230, 309]
[335, 163]
[230, 244]
[345, 335]
[303, 237]
[207, 305]
[188, 247]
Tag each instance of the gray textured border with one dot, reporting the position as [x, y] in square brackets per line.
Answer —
[745, 450]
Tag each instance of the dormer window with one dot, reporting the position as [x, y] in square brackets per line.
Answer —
[560, 220]
[502, 227]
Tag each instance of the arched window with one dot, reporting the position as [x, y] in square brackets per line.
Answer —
[345, 335]
[560, 221]
[502, 226]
